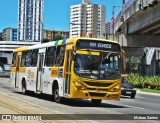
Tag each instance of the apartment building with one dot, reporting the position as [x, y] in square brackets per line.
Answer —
[9, 34]
[109, 27]
[30, 20]
[88, 20]
[0, 36]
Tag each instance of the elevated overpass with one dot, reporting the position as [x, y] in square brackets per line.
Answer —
[139, 33]
[7, 47]
[141, 26]
[140, 17]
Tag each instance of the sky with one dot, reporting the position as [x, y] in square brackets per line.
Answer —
[56, 12]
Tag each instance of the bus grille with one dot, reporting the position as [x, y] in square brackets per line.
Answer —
[100, 89]
[97, 94]
[98, 84]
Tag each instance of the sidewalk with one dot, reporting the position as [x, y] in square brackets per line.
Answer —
[147, 93]
[19, 109]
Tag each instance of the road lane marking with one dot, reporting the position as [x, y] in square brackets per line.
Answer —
[139, 97]
[30, 103]
[122, 105]
[133, 106]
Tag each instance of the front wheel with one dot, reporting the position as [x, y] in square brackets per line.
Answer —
[133, 96]
[96, 101]
[57, 97]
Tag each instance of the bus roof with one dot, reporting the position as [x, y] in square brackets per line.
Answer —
[58, 42]
[53, 43]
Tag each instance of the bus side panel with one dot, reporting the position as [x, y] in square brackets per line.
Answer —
[13, 74]
[60, 84]
[28, 79]
[32, 74]
[20, 75]
[47, 81]
[22, 71]
[57, 75]
[49, 76]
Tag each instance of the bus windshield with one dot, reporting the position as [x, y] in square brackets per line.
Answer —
[102, 66]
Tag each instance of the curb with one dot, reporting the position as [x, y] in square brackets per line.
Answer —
[147, 93]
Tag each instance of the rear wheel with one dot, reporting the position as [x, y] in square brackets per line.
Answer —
[57, 97]
[24, 90]
[96, 101]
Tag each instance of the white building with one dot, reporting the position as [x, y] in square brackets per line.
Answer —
[88, 20]
[30, 20]
[7, 47]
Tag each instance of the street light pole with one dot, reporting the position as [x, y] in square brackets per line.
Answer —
[122, 18]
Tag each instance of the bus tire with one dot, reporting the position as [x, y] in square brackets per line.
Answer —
[24, 89]
[96, 101]
[57, 98]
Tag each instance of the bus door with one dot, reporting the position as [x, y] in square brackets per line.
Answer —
[40, 71]
[17, 72]
[68, 73]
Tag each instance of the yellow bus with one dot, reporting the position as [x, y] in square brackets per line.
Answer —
[86, 68]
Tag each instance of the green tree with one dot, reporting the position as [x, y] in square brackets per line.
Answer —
[132, 64]
[45, 40]
[57, 37]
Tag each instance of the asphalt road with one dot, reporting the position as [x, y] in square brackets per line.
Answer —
[142, 104]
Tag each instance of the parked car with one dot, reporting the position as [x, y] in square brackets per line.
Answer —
[127, 89]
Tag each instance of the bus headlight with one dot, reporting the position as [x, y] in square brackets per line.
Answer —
[79, 86]
[115, 88]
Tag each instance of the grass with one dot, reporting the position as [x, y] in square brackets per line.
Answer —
[150, 90]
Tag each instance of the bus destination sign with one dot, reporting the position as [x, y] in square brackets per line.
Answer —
[99, 45]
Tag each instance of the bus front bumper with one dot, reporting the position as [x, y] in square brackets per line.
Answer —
[86, 94]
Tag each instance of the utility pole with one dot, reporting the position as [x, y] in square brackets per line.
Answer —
[113, 19]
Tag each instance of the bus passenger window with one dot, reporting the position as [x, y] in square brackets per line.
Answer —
[34, 58]
[28, 58]
[50, 56]
[23, 60]
[60, 55]
[14, 59]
